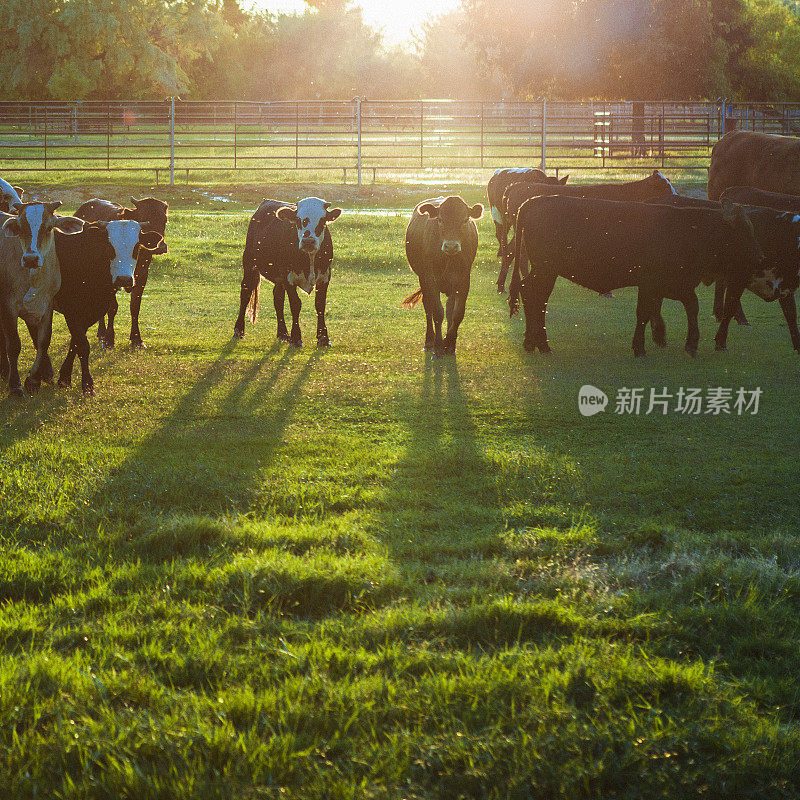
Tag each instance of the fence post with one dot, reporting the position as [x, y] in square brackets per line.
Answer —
[75, 123]
[296, 134]
[722, 116]
[544, 134]
[235, 120]
[358, 130]
[45, 137]
[108, 137]
[482, 129]
[172, 141]
[421, 130]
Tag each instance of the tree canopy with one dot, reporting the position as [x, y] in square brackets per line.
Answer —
[492, 49]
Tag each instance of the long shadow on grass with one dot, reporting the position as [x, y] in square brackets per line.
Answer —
[443, 502]
[206, 456]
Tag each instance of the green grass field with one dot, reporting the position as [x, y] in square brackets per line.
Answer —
[249, 571]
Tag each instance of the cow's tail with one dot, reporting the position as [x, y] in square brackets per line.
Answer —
[516, 278]
[252, 306]
[412, 299]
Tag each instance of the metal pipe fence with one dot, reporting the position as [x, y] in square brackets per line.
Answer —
[396, 138]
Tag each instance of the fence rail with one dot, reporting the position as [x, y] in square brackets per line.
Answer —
[442, 137]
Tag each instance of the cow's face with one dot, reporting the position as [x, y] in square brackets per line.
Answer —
[453, 217]
[310, 219]
[743, 241]
[34, 226]
[125, 237]
[151, 214]
[781, 280]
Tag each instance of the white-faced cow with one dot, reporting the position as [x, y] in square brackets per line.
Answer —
[291, 246]
[517, 193]
[94, 265]
[441, 243]
[151, 214]
[29, 280]
[778, 234]
[498, 183]
[604, 245]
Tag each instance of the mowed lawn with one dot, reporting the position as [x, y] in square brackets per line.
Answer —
[245, 570]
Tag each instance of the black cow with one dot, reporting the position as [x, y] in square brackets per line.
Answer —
[94, 265]
[291, 246]
[748, 196]
[151, 214]
[441, 243]
[604, 245]
[498, 183]
[517, 193]
[777, 233]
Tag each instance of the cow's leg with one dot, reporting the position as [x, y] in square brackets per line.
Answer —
[719, 304]
[296, 337]
[279, 301]
[692, 328]
[456, 305]
[434, 312]
[733, 296]
[250, 290]
[536, 291]
[3, 357]
[323, 340]
[498, 232]
[8, 321]
[506, 260]
[789, 309]
[140, 276]
[42, 366]
[101, 330]
[87, 384]
[109, 340]
[65, 373]
[645, 304]
[658, 328]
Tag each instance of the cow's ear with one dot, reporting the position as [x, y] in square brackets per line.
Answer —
[150, 240]
[286, 214]
[135, 201]
[11, 226]
[476, 212]
[51, 207]
[68, 225]
[332, 214]
[730, 211]
[430, 209]
[19, 190]
[563, 181]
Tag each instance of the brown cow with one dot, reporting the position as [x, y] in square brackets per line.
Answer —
[748, 196]
[653, 185]
[761, 160]
[441, 243]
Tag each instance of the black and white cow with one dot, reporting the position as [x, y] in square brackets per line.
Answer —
[291, 246]
[94, 265]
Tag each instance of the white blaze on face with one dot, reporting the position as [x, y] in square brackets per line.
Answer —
[34, 215]
[123, 236]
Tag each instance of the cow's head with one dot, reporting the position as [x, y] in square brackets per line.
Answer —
[661, 183]
[780, 276]
[34, 226]
[8, 200]
[122, 239]
[151, 214]
[743, 242]
[453, 216]
[310, 219]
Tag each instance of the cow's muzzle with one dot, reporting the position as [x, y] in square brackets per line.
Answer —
[31, 261]
[451, 248]
[123, 282]
[161, 250]
[308, 245]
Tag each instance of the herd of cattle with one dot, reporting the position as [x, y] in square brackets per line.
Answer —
[601, 236]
